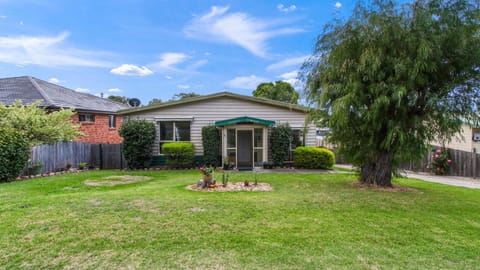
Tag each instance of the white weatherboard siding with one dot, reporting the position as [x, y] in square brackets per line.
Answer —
[207, 112]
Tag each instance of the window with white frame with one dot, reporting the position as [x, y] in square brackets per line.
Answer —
[174, 131]
[112, 119]
[86, 118]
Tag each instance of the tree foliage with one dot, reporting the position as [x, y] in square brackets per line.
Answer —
[38, 125]
[179, 154]
[138, 138]
[182, 95]
[14, 153]
[392, 78]
[120, 99]
[155, 101]
[280, 90]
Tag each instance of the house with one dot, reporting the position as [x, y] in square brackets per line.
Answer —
[98, 117]
[467, 140]
[244, 123]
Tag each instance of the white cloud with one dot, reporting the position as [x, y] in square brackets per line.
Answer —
[168, 60]
[168, 77]
[246, 82]
[238, 28]
[296, 61]
[291, 77]
[54, 80]
[283, 8]
[21, 23]
[114, 90]
[3, 17]
[131, 70]
[183, 86]
[338, 5]
[82, 90]
[46, 51]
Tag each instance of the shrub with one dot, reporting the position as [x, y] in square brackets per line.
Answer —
[440, 161]
[14, 153]
[179, 154]
[313, 158]
[138, 138]
[280, 139]
[211, 144]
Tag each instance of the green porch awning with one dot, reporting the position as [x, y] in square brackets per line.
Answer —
[244, 120]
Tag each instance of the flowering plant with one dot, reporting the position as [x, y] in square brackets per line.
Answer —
[206, 170]
[440, 161]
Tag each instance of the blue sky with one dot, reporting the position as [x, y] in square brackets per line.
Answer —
[155, 49]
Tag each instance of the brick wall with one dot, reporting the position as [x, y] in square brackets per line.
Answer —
[99, 131]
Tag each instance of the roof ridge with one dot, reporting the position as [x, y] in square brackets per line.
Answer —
[41, 91]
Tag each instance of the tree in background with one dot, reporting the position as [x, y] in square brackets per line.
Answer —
[154, 101]
[181, 96]
[393, 78]
[14, 153]
[120, 99]
[280, 90]
[38, 125]
[138, 138]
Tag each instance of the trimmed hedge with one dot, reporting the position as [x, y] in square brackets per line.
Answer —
[14, 153]
[313, 158]
[138, 139]
[211, 145]
[179, 154]
[280, 139]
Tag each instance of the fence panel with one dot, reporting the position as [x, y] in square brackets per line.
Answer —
[58, 155]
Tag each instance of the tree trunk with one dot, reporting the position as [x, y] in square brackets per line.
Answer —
[378, 172]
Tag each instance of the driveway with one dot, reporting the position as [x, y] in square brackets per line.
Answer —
[441, 179]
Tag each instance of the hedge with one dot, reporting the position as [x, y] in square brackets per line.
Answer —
[313, 158]
[179, 154]
[211, 145]
[14, 153]
[138, 139]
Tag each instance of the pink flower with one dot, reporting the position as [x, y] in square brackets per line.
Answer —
[438, 168]
[449, 161]
[436, 155]
[439, 151]
[433, 156]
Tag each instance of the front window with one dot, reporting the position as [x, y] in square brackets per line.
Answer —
[112, 121]
[174, 131]
[86, 118]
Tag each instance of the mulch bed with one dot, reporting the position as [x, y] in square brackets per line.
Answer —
[240, 186]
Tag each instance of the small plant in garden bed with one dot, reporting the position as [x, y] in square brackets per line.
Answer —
[440, 161]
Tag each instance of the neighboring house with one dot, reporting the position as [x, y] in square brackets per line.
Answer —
[98, 117]
[244, 123]
[468, 140]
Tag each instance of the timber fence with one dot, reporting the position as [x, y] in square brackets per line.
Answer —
[58, 156]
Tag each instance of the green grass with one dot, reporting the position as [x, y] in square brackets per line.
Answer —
[309, 221]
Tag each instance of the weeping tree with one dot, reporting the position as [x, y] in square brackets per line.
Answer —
[392, 78]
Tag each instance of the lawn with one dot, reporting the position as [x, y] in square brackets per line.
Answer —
[309, 221]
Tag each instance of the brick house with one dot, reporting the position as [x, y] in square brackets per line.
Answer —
[98, 117]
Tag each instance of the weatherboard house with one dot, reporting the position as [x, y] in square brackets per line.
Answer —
[98, 117]
[244, 123]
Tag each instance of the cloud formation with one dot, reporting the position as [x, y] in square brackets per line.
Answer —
[237, 28]
[46, 51]
[338, 5]
[114, 90]
[54, 80]
[285, 9]
[82, 90]
[291, 77]
[131, 70]
[289, 62]
[183, 86]
[246, 82]
[168, 60]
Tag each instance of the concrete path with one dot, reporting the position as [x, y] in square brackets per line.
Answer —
[442, 179]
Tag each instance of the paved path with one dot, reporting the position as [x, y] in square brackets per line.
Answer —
[442, 179]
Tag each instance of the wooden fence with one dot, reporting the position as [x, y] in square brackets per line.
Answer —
[465, 164]
[57, 156]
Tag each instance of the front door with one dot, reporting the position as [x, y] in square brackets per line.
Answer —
[245, 149]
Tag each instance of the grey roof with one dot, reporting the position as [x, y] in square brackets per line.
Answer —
[266, 101]
[29, 89]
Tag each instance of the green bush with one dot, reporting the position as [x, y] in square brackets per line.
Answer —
[280, 139]
[211, 145]
[14, 153]
[313, 158]
[138, 138]
[179, 154]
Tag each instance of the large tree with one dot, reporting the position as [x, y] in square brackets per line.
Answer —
[393, 78]
[182, 95]
[280, 90]
[120, 99]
